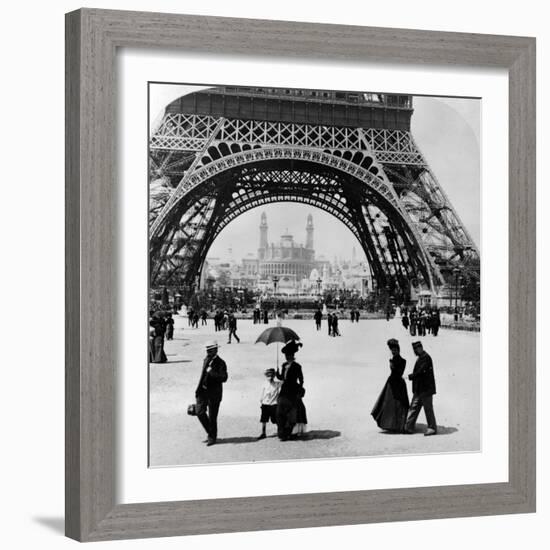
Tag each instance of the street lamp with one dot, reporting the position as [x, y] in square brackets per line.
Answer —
[456, 271]
[275, 281]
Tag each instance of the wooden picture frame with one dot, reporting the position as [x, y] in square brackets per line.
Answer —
[92, 39]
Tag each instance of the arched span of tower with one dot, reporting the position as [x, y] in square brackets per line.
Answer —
[230, 182]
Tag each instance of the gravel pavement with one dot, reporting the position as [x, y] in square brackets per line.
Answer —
[343, 377]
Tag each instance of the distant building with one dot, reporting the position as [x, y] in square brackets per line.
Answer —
[288, 262]
[293, 266]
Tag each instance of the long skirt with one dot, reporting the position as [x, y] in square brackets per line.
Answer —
[286, 416]
[391, 407]
[158, 350]
[301, 416]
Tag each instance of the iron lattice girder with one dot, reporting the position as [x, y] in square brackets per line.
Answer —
[188, 150]
[189, 132]
[247, 187]
[430, 210]
[366, 179]
[224, 163]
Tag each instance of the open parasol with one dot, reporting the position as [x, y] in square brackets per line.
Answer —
[277, 334]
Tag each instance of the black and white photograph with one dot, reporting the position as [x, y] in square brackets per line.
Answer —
[314, 274]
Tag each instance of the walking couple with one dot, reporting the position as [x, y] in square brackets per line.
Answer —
[391, 410]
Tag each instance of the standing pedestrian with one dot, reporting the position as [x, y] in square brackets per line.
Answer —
[436, 323]
[169, 327]
[421, 324]
[423, 386]
[268, 400]
[292, 390]
[329, 323]
[318, 316]
[413, 322]
[209, 391]
[335, 330]
[158, 345]
[232, 324]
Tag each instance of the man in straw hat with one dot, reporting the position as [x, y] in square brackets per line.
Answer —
[209, 391]
[423, 385]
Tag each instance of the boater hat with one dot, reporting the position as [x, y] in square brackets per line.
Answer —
[212, 344]
[417, 344]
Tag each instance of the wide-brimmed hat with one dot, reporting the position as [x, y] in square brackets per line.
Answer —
[269, 371]
[291, 347]
[211, 344]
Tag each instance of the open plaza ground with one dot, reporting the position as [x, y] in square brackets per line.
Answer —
[343, 377]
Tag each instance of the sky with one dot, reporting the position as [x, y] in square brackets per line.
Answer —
[447, 131]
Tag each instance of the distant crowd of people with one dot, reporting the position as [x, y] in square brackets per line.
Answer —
[193, 318]
[260, 316]
[421, 322]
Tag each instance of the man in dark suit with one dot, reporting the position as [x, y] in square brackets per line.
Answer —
[423, 386]
[209, 391]
[232, 324]
[318, 316]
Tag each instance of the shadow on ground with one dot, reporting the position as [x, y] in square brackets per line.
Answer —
[54, 524]
[319, 434]
[441, 430]
[421, 428]
[244, 439]
[308, 436]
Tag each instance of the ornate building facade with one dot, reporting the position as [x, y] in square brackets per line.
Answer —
[292, 267]
[286, 261]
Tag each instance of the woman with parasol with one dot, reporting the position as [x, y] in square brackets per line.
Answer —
[290, 408]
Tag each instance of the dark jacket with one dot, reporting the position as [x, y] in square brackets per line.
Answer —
[397, 367]
[293, 380]
[423, 380]
[210, 383]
